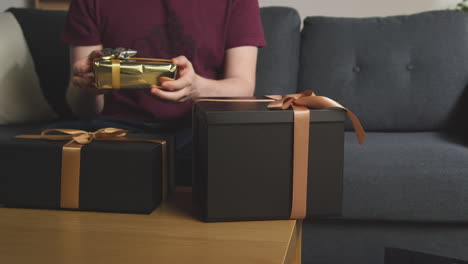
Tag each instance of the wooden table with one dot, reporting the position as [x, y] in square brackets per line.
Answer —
[168, 235]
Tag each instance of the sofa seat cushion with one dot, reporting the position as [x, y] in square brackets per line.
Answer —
[406, 176]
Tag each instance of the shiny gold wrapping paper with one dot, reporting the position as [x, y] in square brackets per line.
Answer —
[133, 73]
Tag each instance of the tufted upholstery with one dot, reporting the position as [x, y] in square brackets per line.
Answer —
[403, 73]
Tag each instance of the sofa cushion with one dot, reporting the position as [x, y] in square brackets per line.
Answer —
[402, 73]
[21, 98]
[278, 62]
[42, 30]
[420, 176]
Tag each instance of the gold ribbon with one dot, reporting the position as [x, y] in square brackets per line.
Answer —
[71, 155]
[115, 73]
[301, 104]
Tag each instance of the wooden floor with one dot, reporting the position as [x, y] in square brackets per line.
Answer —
[169, 235]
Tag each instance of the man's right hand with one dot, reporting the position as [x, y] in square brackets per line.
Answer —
[84, 98]
[82, 72]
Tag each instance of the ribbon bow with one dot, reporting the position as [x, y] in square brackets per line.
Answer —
[84, 137]
[118, 53]
[308, 100]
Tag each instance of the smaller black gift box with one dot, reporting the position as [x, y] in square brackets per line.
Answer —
[243, 161]
[115, 176]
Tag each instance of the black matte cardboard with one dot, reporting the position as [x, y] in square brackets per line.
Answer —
[114, 176]
[243, 154]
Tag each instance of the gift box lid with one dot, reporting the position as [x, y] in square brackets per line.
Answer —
[257, 112]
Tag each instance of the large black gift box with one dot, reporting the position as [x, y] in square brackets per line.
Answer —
[114, 176]
[243, 161]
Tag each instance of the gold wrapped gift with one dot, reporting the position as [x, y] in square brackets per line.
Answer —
[118, 69]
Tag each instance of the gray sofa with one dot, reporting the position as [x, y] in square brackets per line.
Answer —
[405, 77]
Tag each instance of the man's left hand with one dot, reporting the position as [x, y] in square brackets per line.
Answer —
[180, 90]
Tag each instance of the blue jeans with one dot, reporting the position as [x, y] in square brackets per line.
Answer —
[181, 129]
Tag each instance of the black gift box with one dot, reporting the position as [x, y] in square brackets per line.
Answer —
[115, 176]
[243, 156]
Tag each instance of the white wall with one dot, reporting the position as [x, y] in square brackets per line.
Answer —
[5, 4]
[361, 8]
[350, 8]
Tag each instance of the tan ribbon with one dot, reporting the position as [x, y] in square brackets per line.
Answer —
[301, 104]
[71, 156]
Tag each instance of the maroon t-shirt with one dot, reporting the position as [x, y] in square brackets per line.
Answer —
[201, 30]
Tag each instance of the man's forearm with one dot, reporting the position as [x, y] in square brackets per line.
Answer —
[230, 87]
[84, 103]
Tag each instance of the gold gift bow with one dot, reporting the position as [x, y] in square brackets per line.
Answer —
[301, 104]
[71, 155]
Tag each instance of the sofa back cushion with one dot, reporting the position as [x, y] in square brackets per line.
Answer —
[278, 62]
[42, 30]
[402, 73]
[21, 97]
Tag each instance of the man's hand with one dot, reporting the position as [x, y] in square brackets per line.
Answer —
[82, 72]
[84, 99]
[239, 78]
[180, 90]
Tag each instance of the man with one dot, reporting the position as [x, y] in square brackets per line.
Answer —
[214, 43]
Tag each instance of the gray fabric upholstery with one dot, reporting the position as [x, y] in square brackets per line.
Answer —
[406, 176]
[403, 73]
[278, 62]
[329, 242]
